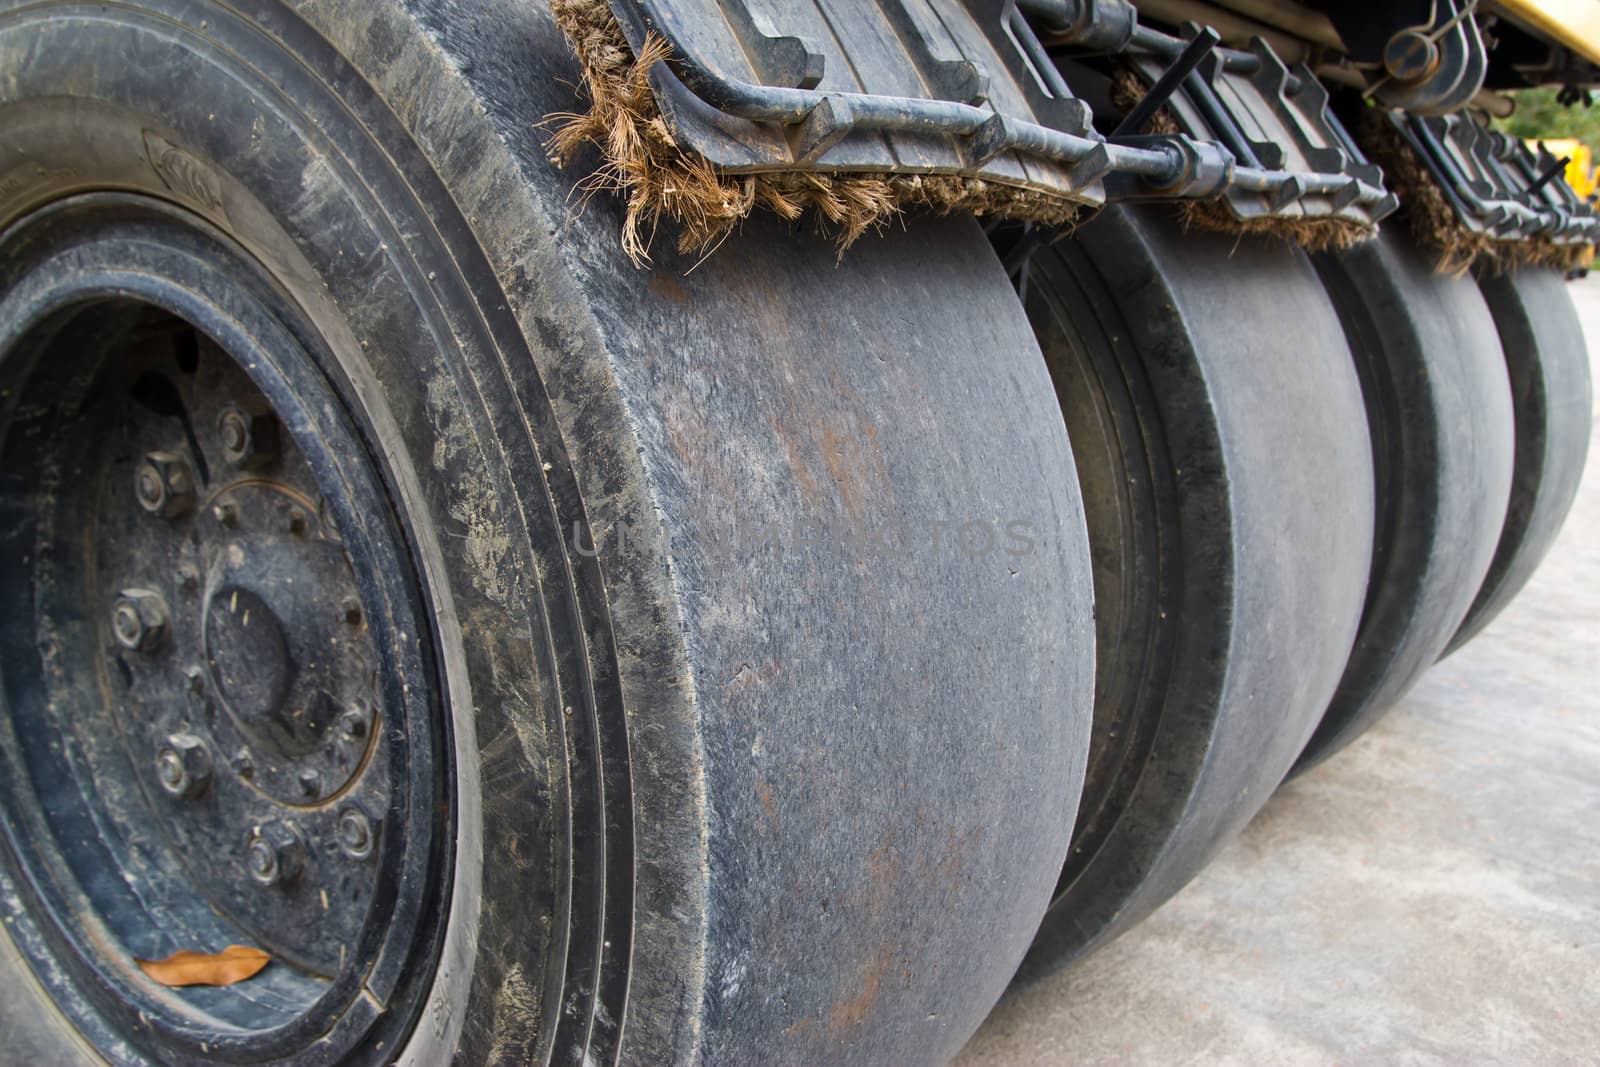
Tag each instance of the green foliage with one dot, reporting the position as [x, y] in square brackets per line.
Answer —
[1538, 117]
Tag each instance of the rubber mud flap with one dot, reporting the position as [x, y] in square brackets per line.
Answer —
[1552, 402]
[1223, 453]
[755, 590]
[1439, 405]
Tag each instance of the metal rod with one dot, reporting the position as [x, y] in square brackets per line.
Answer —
[1151, 102]
[1204, 98]
[1154, 42]
[1052, 15]
[1023, 34]
[1558, 167]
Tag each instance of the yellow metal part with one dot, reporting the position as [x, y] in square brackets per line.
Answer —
[1574, 23]
[1580, 173]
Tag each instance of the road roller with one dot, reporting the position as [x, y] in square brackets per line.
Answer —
[726, 531]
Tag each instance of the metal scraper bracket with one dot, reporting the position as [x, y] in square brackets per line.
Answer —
[1293, 157]
[970, 89]
[1496, 184]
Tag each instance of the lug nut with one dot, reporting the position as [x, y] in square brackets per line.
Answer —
[234, 430]
[247, 440]
[126, 624]
[355, 833]
[184, 765]
[274, 854]
[147, 484]
[139, 620]
[163, 484]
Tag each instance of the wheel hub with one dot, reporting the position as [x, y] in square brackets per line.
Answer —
[231, 681]
[250, 674]
[285, 664]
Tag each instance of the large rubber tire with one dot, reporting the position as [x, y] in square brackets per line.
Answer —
[1203, 380]
[1552, 400]
[758, 596]
[1439, 406]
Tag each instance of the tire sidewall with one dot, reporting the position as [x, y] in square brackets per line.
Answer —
[248, 125]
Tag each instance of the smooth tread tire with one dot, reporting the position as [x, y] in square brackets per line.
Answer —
[1552, 402]
[1201, 378]
[1439, 406]
[759, 596]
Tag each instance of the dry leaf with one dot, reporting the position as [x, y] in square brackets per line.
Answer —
[233, 964]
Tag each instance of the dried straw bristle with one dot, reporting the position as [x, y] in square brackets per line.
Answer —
[1435, 224]
[644, 164]
[1314, 233]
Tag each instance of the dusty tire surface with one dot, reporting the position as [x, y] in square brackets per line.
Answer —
[1439, 406]
[756, 599]
[1551, 398]
[1201, 378]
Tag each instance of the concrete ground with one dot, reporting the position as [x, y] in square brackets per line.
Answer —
[1430, 895]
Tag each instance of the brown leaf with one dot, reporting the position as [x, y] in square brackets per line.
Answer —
[233, 964]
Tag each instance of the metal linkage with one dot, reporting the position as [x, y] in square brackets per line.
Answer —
[1495, 183]
[970, 89]
[1293, 157]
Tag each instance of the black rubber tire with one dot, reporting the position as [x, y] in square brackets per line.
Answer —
[786, 798]
[1552, 401]
[1202, 377]
[1439, 407]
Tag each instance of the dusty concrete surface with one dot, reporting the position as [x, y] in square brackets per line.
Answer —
[1430, 895]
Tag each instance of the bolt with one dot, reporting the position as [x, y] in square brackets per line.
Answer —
[274, 854]
[353, 723]
[243, 764]
[126, 623]
[188, 577]
[147, 484]
[248, 440]
[184, 765]
[234, 431]
[355, 833]
[263, 861]
[196, 680]
[139, 619]
[226, 514]
[311, 783]
[1410, 57]
[169, 768]
[163, 484]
